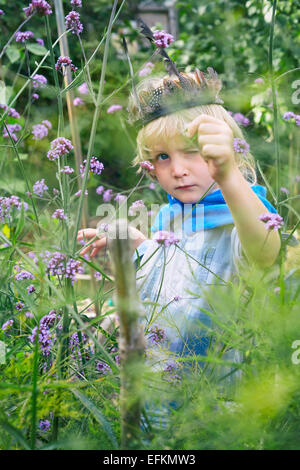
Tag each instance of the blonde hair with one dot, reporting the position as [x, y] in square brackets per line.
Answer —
[171, 125]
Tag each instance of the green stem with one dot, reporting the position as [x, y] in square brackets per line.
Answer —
[34, 391]
[94, 124]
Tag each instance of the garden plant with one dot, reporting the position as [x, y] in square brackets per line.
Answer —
[73, 358]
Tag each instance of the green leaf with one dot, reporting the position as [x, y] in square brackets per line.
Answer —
[36, 49]
[13, 54]
[21, 223]
[16, 433]
[98, 416]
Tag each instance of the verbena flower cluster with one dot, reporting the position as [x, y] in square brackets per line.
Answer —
[272, 221]
[21, 275]
[102, 367]
[114, 107]
[10, 130]
[83, 89]
[8, 204]
[162, 237]
[162, 39]
[146, 70]
[96, 167]
[46, 337]
[40, 187]
[59, 265]
[107, 195]
[76, 3]
[59, 147]
[157, 335]
[241, 146]
[39, 81]
[170, 372]
[24, 36]
[40, 131]
[40, 41]
[78, 101]
[7, 325]
[78, 349]
[289, 115]
[11, 111]
[135, 206]
[65, 61]
[72, 21]
[67, 169]
[44, 425]
[240, 118]
[59, 214]
[41, 7]
[146, 165]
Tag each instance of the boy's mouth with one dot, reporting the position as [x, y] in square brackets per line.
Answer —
[190, 186]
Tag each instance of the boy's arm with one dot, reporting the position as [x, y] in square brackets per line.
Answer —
[260, 246]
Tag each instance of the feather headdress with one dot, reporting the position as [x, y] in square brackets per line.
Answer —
[179, 91]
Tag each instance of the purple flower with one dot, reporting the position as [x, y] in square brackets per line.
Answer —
[259, 80]
[30, 289]
[76, 3]
[41, 7]
[83, 89]
[33, 256]
[146, 70]
[11, 129]
[58, 265]
[152, 186]
[47, 123]
[35, 96]
[67, 169]
[170, 372]
[55, 191]
[113, 108]
[146, 165]
[7, 204]
[177, 298]
[21, 275]
[107, 195]
[11, 111]
[297, 119]
[59, 147]
[73, 267]
[44, 425]
[29, 315]
[96, 167]
[162, 237]
[39, 131]
[120, 198]
[78, 101]
[1, 13]
[40, 41]
[288, 115]
[79, 193]
[98, 276]
[19, 305]
[65, 61]
[240, 146]
[272, 221]
[72, 22]
[102, 367]
[162, 39]
[7, 325]
[284, 190]
[40, 187]
[157, 335]
[24, 36]
[39, 81]
[99, 190]
[241, 119]
[59, 214]
[135, 206]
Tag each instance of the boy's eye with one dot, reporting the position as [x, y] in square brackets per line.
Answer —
[162, 156]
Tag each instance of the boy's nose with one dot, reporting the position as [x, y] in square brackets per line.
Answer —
[178, 169]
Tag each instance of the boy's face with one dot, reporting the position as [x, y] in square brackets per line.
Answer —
[180, 169]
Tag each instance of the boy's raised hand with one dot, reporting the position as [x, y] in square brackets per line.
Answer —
[215, 140]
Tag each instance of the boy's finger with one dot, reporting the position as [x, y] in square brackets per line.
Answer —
[203, 118]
